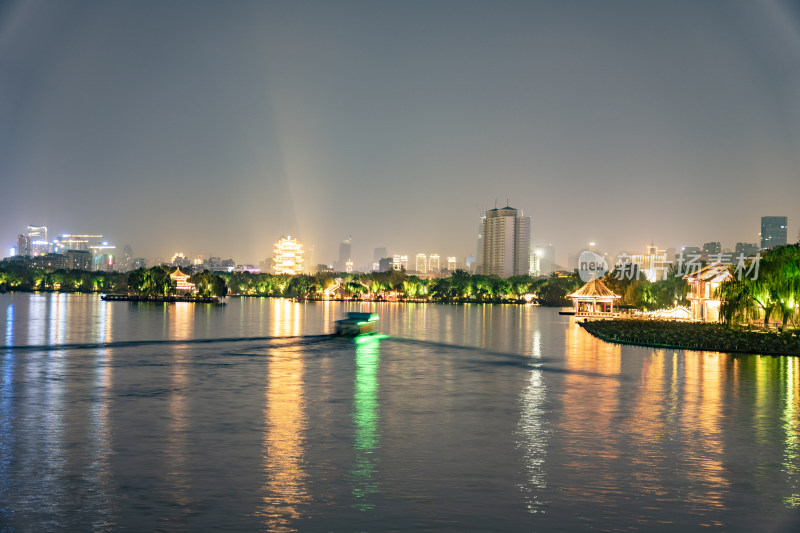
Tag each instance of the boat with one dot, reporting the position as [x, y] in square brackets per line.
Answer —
[357, 324]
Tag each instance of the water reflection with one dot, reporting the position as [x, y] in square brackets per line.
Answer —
[591, 403]
[791, 427]
[7, 434]
[286, 318]
[52, 414]
[100, 433]
[647, 425]
[533, 431]
[10, 325]
[177, 480]
[365, 420]
[284, 490]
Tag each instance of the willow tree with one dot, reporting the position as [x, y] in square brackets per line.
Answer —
[772, 290]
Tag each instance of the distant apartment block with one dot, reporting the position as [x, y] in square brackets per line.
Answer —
[400, 262]
[773, 232]
[38, 240]
[422, 264]
[23, 245]
[385, 264]
[49, 261]
[748, 249]
[505, 243]
[78, 259]
[433, 263]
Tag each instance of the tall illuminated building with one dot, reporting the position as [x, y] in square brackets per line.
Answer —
[38, 240]
[505, 243]
[422, 263]
[400, 262]
[433, 263]
[288, 257]
[773, 232]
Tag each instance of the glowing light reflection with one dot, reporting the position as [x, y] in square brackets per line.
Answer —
[284, 490]
[365, 420]
[791, 427]
[533, 431]
[7, 436]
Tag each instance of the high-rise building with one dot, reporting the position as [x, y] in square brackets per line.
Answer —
[67, 241]
[127, 258]
[711, 248]
[451, 264]
[422, 263]
[433, 263]
[345, 253]
[23, 245]
[505, 243]
[773, 232]
[38, 240]
[544, 260]
[400, 262]
[288, 256]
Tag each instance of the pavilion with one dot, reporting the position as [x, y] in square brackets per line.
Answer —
[182, 283]
[594, 298]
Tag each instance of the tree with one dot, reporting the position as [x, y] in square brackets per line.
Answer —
[209, 284]
[775, 290]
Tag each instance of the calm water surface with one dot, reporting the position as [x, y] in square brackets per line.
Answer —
[456, 418]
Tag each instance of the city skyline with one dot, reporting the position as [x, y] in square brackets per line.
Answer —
[125, 258]
[218, 129]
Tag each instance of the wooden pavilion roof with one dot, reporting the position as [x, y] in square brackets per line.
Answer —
[594, 290]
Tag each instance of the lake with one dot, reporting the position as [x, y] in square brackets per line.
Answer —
[250, 416]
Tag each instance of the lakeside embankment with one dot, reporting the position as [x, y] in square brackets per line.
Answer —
[693, 336]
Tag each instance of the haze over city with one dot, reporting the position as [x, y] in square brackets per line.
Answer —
[219, 128]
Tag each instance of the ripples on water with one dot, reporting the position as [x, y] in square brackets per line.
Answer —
[251, 417]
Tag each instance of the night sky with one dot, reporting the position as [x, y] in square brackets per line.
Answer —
[218, 127]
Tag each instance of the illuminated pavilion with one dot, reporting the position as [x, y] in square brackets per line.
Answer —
[594, 298]
[182, 281]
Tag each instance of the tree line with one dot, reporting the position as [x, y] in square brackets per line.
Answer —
[459, 287]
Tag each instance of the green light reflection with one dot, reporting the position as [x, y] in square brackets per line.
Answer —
[792, 428]
[365, 420]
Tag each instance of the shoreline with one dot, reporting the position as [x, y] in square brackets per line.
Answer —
[660, 334]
